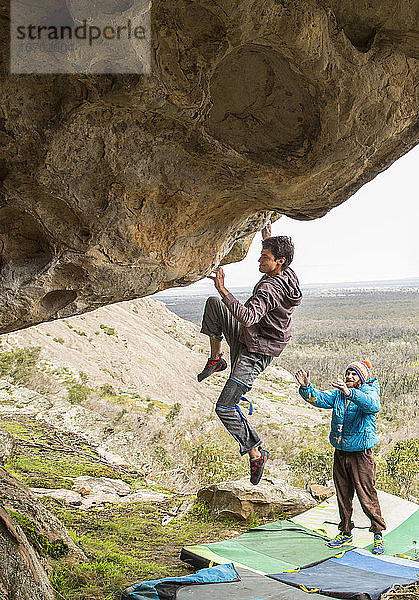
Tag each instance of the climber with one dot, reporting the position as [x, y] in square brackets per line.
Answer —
[256, 332]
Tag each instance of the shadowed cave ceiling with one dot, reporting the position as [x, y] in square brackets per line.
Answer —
[118, 186]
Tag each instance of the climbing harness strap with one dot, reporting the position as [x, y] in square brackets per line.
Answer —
[240, 383]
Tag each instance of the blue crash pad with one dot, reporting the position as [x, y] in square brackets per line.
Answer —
[356, 575]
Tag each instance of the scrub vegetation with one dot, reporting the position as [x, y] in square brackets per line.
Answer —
[383, 327]
[19, 364]
[329, 332]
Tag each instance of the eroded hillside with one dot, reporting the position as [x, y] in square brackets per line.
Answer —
[125, 377]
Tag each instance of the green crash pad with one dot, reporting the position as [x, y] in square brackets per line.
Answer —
[404, 539]
[272, 548]
[324, 518]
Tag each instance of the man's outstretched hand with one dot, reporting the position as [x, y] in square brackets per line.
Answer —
[218, 280]
[303, 377]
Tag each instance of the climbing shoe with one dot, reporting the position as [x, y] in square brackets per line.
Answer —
[340, 540]
[378, 544]
[213, 366]
[257, 465]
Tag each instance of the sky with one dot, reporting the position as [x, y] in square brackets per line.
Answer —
[373, 236]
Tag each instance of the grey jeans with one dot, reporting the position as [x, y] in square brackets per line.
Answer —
[218, 322]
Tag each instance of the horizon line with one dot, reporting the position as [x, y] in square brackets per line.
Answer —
[413, 281]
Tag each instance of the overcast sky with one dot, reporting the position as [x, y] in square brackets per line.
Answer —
[372, 236]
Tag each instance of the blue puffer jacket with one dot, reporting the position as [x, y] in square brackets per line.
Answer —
[353, 417]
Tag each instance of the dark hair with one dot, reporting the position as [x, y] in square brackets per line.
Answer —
[281, 246]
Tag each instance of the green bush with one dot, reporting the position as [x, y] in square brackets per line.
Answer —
[173, 413]
[401, 468]
[78, 393]
[312, 465]
[215, 463]
[108, 330]
[107, 389]
[19, 364]
[162, 455]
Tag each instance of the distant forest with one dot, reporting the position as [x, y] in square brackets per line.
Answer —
[318, 302]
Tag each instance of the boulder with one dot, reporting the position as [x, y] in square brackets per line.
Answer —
[94, 492]
[144, 495]
[321, 492]
[67, 496]
[239, 499]
[16, 498]
[22, 576]
[117, 186]
[87, 486]
[97, 494]
[99, 499]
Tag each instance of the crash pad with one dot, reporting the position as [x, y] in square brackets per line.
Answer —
[268, 549]
[324, 518]
[355, 575]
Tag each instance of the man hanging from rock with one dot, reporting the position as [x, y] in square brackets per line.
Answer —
[256, 332]
[354, 404]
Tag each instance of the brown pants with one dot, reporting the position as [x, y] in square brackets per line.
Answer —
[355, 471]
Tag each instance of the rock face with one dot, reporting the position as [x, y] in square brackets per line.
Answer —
[15, 497]
[7, 443]
[22, 576]
[115, 187]
[321, 492]
[240, 499]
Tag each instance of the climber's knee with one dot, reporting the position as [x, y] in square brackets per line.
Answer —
[230, 395]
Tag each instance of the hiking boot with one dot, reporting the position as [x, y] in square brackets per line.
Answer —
[257, 465]
[340, 540]
[213, 366]
[378, 544]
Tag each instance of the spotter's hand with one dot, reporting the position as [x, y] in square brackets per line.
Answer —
[303, 377]
[341, 385]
